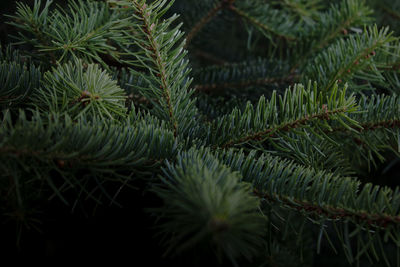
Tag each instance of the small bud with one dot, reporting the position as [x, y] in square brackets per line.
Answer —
[60, 163]
[85, 94]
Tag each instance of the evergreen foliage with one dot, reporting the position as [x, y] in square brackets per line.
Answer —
[279, 148]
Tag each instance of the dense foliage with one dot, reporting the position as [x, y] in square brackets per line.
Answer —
[229, 132]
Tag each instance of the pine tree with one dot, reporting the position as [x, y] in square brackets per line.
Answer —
[246, 133]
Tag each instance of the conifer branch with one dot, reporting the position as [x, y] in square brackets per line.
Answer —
[306, 11]
[243, 75]
[57, 143]
[334, 213]
[209, 57]
[350, 57]
[319, 196]
[298, 108]
[243, 84]
[160, 51]
[154, 49]
[262, 135]
[18, 80]
[204, 201]
[263, 26]
[370, 126]
[83, 30]
[203, 21]
[331, 25]
[228, 171]
[391, 12]
[91, 91]
[339, 19]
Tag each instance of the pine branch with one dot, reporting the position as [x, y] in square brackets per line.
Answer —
[84, 30]
[334, 23]
[33, 21]
[77, 90]
[209, 57]
[244, 84]
[334, 213]
[299, 108]
[258, 136]
[309, 150]
[160, 51]
[204, 202]
[160, 63]
[204, 20]
[391, 12]
[95, 149]
[349, 58]
[18, 79]
[340, 18]
[320, 196]
[378, 132]
[305, 10]
[269, 21]
[242, 75]
[388, 63]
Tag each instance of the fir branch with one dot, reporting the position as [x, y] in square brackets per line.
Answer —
[242, 75]
[378, 111]
[297, 109]
[89, 132]
[310, 150]
[244, 84]
[334, 213]
[332, 24]
[108, 151]
[160, 63]
[205, 202]
[348, 58]
[320, 196]
[77, 89]
[83, 30]
[33, 21]
[379, 129]
[370, 126]
[18, 80]
[262, 135]
[204, 20]
[306, 10]
[391, 12]
[209, 57]
[338, 20]
[388, 63]
[167, 79]
[271, 24]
